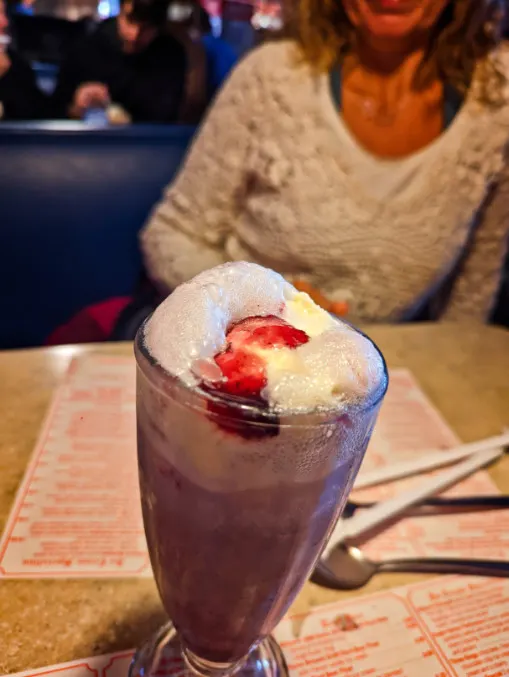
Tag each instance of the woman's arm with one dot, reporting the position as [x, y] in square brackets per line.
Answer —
[187, 231]
[475, 290]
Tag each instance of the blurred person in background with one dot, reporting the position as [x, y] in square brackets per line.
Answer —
[237, 28]
[365, 159]
[130, 60]
[221, 57]
[20, 98]
[188, 17]
[25, 7]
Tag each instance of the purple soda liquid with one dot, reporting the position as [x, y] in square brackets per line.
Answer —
[235, 523]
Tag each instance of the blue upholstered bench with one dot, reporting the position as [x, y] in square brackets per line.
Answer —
[72, 200]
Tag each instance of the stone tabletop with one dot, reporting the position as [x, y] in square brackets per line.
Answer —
[463, 369]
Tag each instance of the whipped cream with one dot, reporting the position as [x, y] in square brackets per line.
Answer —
[336, 368]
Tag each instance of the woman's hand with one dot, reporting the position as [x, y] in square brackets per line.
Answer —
[89, 95]
[339, 308]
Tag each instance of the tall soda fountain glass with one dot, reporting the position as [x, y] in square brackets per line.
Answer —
[238, 503]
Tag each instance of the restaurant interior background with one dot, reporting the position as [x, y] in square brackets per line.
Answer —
[74, 195]
[76, 586]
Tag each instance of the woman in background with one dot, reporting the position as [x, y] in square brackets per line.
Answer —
[365, 158]
[20, 98]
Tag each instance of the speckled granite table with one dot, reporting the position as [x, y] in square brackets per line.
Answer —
[464, 370]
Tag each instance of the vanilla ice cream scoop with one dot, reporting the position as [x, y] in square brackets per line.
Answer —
[301, 357]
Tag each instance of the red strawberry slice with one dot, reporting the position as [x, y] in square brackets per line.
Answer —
[244, 373]
[265, 332]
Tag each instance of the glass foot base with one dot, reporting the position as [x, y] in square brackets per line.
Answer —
[162, 655]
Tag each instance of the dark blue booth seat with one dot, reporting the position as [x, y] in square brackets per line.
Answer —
[72, 200]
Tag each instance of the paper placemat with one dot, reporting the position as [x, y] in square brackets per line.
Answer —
[77, 512]
[445, 627]
[407, 423]
[112, 665]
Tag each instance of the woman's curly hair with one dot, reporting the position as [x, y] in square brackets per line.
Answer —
[467, 32]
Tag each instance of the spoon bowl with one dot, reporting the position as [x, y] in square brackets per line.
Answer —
[347, 568]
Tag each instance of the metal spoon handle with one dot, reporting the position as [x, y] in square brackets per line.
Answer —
[471, 502]
[384, 511]
[438, 506]
[447, 565]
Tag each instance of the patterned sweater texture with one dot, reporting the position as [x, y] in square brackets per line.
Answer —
[266, 181]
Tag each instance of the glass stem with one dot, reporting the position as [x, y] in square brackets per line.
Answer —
[204, 668]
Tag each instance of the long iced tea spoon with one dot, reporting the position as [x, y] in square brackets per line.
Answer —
[347, 568]
[426, 460]
[383, 512]
[439, 505]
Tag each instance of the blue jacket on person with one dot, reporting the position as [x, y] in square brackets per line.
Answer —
[221, 58]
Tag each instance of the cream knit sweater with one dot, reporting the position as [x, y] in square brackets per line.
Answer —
[266, 181]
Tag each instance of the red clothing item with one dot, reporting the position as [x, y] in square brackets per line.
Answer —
[92, 324]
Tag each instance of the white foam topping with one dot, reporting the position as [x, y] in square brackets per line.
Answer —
[337, 366]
